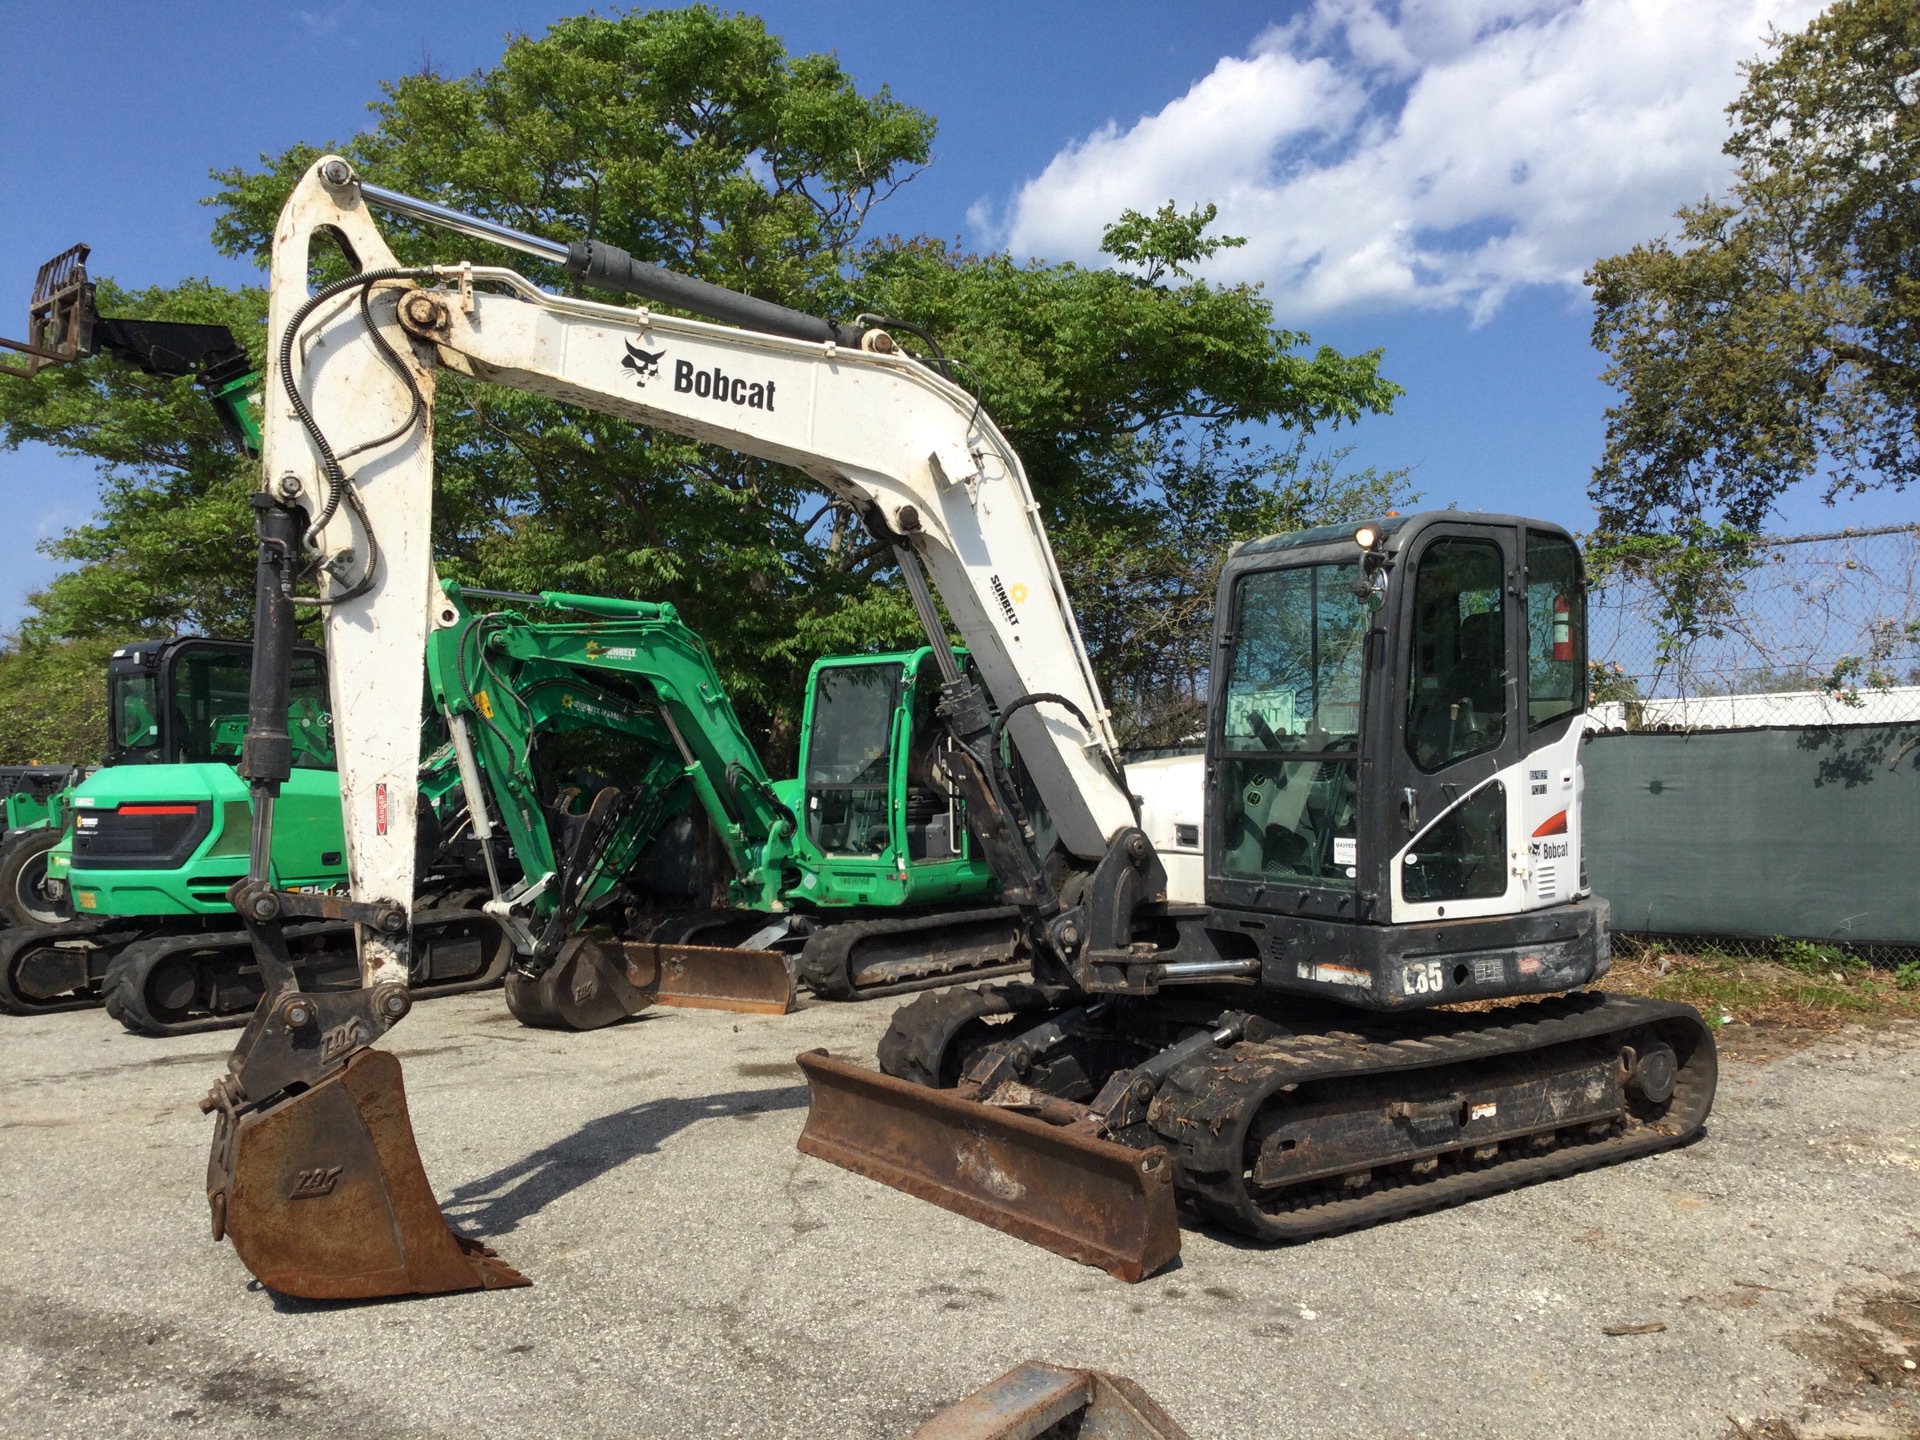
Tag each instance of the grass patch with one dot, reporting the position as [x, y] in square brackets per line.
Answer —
[1793, 982]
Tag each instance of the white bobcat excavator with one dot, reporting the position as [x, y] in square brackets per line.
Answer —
[1233, 996]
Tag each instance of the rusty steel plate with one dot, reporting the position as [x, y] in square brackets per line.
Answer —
[1031, 1399]
[1090, 1200]
[328, 1201]
[704, 977]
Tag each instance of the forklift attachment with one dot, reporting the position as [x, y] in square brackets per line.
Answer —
[60, 317]
[324, 1197]
[1090, 1200]
[1032, 1399]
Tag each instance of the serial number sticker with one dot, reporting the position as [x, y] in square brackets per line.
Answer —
[1345, 850]
[1336, 975]
[1482, 1112]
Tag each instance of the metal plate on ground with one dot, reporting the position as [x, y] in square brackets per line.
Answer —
[1036, 1399]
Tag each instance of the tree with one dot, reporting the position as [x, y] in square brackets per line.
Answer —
[1129, 398]
[692, 139]
[1780, 339]
[53, 702]
[171, 548]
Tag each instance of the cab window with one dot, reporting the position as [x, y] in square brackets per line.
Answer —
[1290, 726]
[849, 758]
[135, 717]
[1556, 630]
[1457, 685]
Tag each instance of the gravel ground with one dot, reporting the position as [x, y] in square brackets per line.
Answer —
[695, 1276]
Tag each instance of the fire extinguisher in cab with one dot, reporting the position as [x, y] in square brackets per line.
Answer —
[1562, 629]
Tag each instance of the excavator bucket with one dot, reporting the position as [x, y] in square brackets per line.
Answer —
[324, 1197]
[1035, 1399]
[1090, 1200]
[596, 982]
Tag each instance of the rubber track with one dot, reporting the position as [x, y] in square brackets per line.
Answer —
[826, 959]
[1202, 1111]
[920, 1033]
[17, 940]
[125, 989]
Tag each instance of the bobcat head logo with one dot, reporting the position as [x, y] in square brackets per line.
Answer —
[645, 364]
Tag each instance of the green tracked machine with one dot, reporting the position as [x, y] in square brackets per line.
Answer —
[133, 906]
[857, 877]
[34, 800]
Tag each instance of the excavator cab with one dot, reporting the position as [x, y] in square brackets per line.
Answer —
[883, 823]
[1394, 761]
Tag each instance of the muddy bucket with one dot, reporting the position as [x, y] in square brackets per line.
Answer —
[324, 1197]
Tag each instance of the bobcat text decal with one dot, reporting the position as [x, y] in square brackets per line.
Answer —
[716, 384]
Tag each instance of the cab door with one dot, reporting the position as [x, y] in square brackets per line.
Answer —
[1454, 733]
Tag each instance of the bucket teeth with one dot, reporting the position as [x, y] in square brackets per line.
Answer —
[324, 1196]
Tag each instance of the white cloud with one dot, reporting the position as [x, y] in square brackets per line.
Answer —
[1393, 154]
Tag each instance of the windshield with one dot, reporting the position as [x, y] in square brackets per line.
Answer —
[210, 692]
[1300, 637]
[1293, 691]
[849, 758]
[134, 716]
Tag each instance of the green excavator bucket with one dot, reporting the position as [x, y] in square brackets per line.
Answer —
[595, 982]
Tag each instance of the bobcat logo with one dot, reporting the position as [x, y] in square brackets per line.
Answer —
[645, 364]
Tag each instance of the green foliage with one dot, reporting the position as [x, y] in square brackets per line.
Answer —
[692, 139]
[1696, 573]
[170, 548]
[53, 702]
[1780, 338]
[1128, 399]
[1811, 957]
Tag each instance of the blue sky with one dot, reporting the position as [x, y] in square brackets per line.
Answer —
[1428, 177]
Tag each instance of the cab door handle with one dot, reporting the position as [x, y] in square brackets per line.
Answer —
[1410, 809]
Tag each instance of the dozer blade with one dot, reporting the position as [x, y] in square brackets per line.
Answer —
[324, 1197]
[1090, 1200]
[595, 982]
[1036, 1399]
[701, 977]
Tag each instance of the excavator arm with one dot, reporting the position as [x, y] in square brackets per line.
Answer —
[345, 518]
[628, 670]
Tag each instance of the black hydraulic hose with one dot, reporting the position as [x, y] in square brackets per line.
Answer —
[1000, 725]
[336, 477]
[1037, 698]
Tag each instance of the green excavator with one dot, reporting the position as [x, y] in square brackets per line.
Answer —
[116, 883]
[857, 877]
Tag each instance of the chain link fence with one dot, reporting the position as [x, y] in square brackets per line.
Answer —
[1797, 630]
[1816, 633]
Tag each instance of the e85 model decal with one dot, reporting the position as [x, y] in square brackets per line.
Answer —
[1423, 977]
